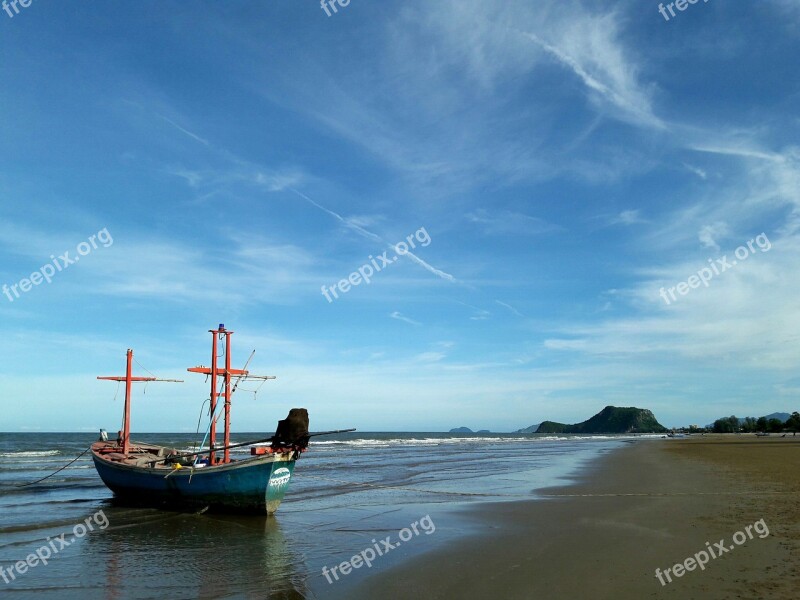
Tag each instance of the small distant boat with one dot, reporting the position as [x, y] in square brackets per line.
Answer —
[150, 474]
[762, 434]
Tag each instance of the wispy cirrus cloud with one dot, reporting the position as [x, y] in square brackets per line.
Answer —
[194, 136]
[508, 222]
[209, 180]
[399, 316]
[472, 61]
[354, 225]
[627, 217]
[509, 307]
[588, 47]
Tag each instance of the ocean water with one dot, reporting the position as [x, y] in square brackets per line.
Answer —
[349, 492]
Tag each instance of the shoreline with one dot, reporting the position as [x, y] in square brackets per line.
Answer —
[504, 474]
[648, 505]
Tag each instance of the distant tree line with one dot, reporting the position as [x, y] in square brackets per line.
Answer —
[750, 425]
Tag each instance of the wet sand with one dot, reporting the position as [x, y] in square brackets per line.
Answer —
[649, 505]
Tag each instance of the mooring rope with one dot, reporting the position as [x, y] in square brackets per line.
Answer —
[663, 494]
[54, 472]
[410, 489]
[533, 494]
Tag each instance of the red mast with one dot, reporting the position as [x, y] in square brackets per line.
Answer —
[128, 379]
[225, 372]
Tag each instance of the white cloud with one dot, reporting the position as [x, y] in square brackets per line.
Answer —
[697, 171]
[709, 234]
[431, 357]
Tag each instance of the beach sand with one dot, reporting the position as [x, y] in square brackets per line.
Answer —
[649, 505]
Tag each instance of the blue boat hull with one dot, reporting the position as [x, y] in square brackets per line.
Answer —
[255, 485]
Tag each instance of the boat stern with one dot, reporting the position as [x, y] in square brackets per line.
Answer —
[278, 484]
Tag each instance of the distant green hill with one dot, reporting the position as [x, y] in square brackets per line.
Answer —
[610, 420]
[781, 416]
[531, 429]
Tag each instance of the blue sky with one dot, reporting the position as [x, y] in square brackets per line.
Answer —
[566, 160]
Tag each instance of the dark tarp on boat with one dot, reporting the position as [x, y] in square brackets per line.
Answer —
[293, 430]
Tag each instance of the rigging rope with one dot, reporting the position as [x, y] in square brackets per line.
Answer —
[143, 367]
[200, 418]
[146, 383]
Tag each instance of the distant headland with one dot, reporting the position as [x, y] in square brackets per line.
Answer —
[467, 430]
[611, 419]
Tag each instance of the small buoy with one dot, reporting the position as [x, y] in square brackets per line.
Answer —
[177, 466]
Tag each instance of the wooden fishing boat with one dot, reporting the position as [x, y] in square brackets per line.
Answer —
[158, 475]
